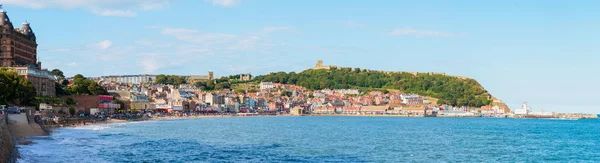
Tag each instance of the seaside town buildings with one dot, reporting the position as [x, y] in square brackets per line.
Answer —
[138, 93]
[18, 52]
[276, 98]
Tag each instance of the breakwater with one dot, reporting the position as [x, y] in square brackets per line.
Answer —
[8, 151]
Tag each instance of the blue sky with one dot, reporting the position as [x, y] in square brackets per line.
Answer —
[544, 53]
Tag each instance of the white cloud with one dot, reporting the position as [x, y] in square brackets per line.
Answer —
[123, 8]
[223, 42]
[150, 43]
[149, 65]
[276, 28]
[198, 37]
[105, 44]
[58, 50]
[352, 24]
[408, 31]
[154, 5]
[72, 64]
[26, 3]
[225, 3]
[120, 13]
[186, 51]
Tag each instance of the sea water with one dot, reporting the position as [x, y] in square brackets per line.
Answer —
[323, 139]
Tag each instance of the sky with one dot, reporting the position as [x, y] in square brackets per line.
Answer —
[545, 54]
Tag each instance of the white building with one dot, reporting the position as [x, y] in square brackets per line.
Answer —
[348, 91]
[524, 110]
[266, 85]
[129, 79]
[411, 99]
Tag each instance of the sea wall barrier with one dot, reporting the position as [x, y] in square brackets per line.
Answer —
[8, 151]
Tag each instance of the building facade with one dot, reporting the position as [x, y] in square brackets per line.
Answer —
[42, 80]
[266, 85]
[18, 52]
[126, 79]
[196, 78]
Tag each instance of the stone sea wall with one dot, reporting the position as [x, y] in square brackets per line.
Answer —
[8, 151]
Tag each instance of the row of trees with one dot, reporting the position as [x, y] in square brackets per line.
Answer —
[80, 86]
[170, 79]
[449, 90]
[84, 86]
[15, 89]
[210, 85]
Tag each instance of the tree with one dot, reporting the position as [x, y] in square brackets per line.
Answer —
[210, 85]
[385, 91]
[201, 85]
[70, 101]
[59, 74]
[84, 86]
[64, 82]
[287, 93]
[60, 89]
[72, 110]
[223, 85]
[15, 89]
[170, 79]
[239, 90]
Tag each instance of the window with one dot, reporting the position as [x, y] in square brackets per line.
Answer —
[3, 42]
[3, 48]
[3, 63]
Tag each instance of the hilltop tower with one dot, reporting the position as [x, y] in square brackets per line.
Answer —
[319, 63]
[210, 75]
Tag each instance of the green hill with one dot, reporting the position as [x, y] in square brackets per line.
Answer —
[448, 89]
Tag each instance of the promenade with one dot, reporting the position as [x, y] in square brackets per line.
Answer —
[20, 126]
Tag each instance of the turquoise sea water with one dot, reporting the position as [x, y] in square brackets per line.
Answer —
[324, 139]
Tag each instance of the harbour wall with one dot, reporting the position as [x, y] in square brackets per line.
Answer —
[8, 150]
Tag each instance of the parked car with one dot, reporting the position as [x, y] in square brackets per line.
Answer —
[14, 111]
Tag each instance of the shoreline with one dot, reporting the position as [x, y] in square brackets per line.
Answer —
[113, 121]
[117, 121]
[50, 128]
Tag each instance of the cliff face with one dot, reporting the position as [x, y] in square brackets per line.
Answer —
[501, 104]
[8, 152]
